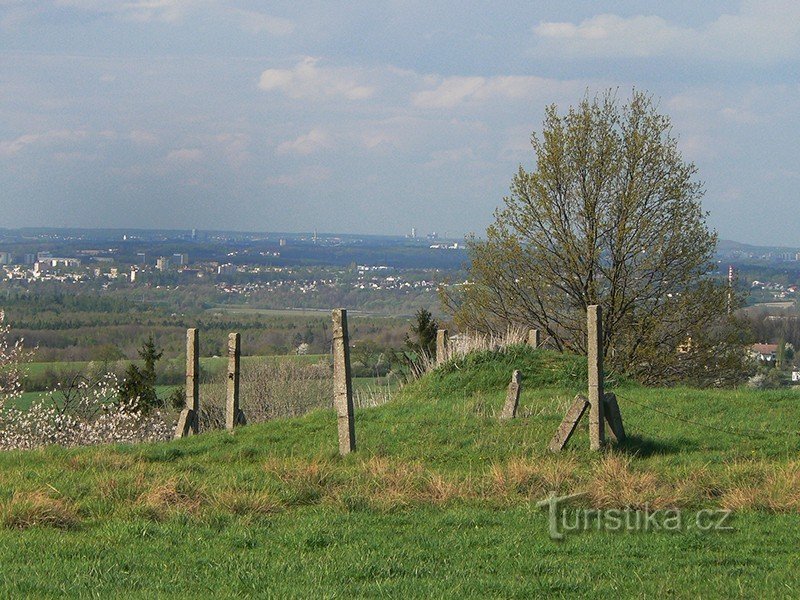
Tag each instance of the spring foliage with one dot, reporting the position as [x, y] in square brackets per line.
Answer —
[610, 215]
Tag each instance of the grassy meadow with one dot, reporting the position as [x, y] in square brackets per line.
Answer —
[438, 500]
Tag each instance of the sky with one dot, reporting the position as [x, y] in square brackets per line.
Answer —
[374, 116]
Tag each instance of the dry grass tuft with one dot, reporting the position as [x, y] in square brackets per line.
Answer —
[110, 461]
[247, 503]
[315, 472]
[439, 490]
[303, 482]
[31, 509]
[762, 486]
[614, 484]
[532, 478]
[171, 496]
[391, 484]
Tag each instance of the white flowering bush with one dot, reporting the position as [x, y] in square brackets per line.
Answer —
[85, 411]
[12, 358]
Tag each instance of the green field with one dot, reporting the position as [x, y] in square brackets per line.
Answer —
[439, 500]
[211, 363]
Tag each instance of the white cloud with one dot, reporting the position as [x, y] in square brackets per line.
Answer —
[168, 11]
[307, 80]
[456, 90]
[143, 138]
[234, 148]
[185, 155]
[47, 138]
[308, 175]
[451, 156]
[313, 141]
[761, 31]
[611, 35]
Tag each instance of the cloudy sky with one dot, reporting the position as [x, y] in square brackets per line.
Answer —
[370, 116]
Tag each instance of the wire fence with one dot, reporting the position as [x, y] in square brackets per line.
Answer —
[740, 432]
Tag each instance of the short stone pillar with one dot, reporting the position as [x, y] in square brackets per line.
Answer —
[442, 340]
[342, 383]
[512, 397]
[533, 338]
[233, 414]
[594, 323]
[188, 420]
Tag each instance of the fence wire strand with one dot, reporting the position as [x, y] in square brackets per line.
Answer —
[743, 432]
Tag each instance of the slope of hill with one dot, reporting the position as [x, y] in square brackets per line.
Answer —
[439, 500]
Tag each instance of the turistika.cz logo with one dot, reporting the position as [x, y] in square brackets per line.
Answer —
[562, 521]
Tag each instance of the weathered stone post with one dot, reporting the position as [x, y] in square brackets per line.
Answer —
[188, 421]
[512, 397]
[442, 339]
[233, 414]
[342, 383]
[533, 338]
[594, 322]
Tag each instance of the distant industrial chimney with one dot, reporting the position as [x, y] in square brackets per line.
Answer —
[730, 288]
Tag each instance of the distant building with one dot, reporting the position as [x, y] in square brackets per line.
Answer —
[764, 352]
[226, 269]
[180, 260]
[29, 259]
[5, 258]
[162, 263]
[141, 258]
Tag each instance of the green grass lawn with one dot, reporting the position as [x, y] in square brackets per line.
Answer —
[211, 363]
[438, 500]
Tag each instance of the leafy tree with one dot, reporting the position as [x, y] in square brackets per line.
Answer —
[108, 353]
[610, 215]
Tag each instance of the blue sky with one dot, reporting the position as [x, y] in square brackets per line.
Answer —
[373, 117]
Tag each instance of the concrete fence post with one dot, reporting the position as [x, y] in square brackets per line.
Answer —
[533, 338]
[442, 340]
[594, 322]
[512, 397]
[233, 414]
[342, 383]
[188, 420]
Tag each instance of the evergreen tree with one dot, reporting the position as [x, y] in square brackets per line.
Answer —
[421, 338]
[141, 383]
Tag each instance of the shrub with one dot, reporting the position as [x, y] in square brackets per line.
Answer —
[86, 411]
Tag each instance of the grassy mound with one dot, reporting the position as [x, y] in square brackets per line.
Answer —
[436, 467]
[491, 371]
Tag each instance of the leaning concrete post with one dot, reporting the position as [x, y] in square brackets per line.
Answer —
[342, 384]
[233, 414]
[533, 338]
[594, 322]
[441, 345]
[188, 420]
[512, 397]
